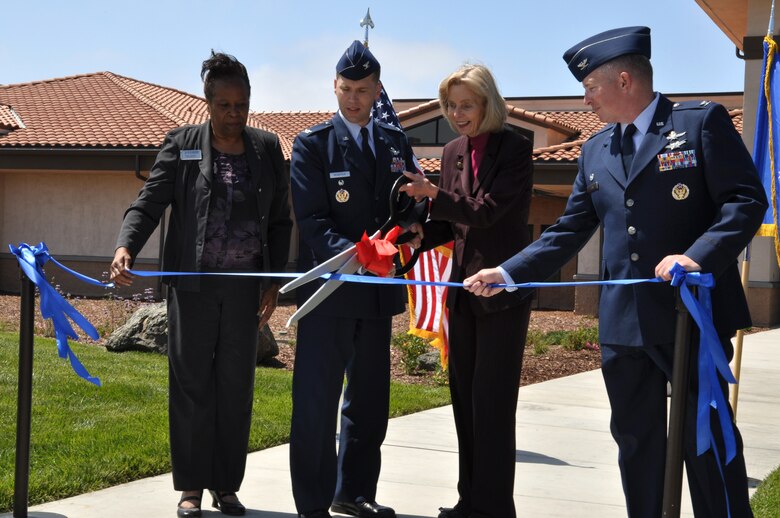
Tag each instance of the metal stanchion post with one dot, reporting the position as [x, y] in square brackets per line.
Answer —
[24, 401]
[674, 443]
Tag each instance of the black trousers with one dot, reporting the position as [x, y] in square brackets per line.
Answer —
[212, 351]
[325, 350]
[485, 360]
[636, 380]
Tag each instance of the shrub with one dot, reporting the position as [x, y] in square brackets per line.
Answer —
[410, 347]
[537, 341]
[576, 340]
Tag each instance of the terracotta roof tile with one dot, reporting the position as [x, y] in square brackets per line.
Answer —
[287, 124]
[570, 151]
[97, 110]
[547, 119]
[9, 120]
[567, 152]
[586, 122]
[736, 118]
[108, 110]
[421, 108]
[430, 165]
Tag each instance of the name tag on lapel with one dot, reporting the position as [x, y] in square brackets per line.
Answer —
[677, 160]
[339, 174]
[190, 154]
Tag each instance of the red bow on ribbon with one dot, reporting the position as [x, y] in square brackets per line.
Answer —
[376, 255]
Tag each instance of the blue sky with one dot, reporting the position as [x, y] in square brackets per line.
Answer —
[291, 47]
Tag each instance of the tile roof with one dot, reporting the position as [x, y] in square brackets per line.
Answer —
[99, 110]
[107, 110]
[548, 119]
[587, 122]
[570, 151]
[287, 124]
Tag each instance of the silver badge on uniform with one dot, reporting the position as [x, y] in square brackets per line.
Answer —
[680, 192]
[342, 196]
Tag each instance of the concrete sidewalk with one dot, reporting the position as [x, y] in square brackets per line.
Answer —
[566, 459]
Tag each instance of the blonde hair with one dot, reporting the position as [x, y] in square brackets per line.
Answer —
[479, 80]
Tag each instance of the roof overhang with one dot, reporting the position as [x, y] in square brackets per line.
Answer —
[731, 17]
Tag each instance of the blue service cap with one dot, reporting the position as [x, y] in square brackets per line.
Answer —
[357, 62]
[589, 54]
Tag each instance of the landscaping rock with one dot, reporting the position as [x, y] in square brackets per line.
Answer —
[429, 361]
[267, 347]
[147, 330]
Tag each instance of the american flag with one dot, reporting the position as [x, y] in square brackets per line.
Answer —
[428, 314]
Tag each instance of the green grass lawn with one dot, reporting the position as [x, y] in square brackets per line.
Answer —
[86, 437]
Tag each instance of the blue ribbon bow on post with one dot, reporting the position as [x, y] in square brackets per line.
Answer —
[53, 306]
[711, 361]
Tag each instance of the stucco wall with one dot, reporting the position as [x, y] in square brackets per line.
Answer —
[75, 214]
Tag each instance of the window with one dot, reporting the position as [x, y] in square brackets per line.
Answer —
[436, 132]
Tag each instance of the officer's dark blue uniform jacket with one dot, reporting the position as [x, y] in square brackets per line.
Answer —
[326, 167]
[707, 205]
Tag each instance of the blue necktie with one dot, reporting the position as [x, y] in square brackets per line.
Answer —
[627, 148]
[366, 148]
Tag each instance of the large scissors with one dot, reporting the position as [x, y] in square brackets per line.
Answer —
[402, 211]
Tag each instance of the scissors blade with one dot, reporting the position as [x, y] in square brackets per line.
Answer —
[335, 262]
[351, 266]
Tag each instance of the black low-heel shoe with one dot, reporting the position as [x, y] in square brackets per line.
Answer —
[231, 508]
[190, 512]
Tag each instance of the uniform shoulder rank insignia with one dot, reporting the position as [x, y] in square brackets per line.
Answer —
[317, 127]
[680, 192]
[690, 105]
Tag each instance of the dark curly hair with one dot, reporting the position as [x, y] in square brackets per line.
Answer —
[221, 66]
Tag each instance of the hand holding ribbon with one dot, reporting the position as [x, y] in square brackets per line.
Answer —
[53, 306]
[376, 255]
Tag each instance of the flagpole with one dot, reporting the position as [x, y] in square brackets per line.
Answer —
[736, 362]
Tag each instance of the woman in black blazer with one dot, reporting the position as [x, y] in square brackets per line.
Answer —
[482, 202]
[227, 189]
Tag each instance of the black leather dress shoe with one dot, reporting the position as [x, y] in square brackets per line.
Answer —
[452, 512]
[229, 508]
[363, 508]
[189, 512]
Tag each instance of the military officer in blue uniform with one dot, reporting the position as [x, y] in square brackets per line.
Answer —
[342, 172]
[669, 183]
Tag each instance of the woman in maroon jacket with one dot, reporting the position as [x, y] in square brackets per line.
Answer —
[482, 202]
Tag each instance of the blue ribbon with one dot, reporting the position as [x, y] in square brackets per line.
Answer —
[712, 360]
[53, 306]
[368, 279]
